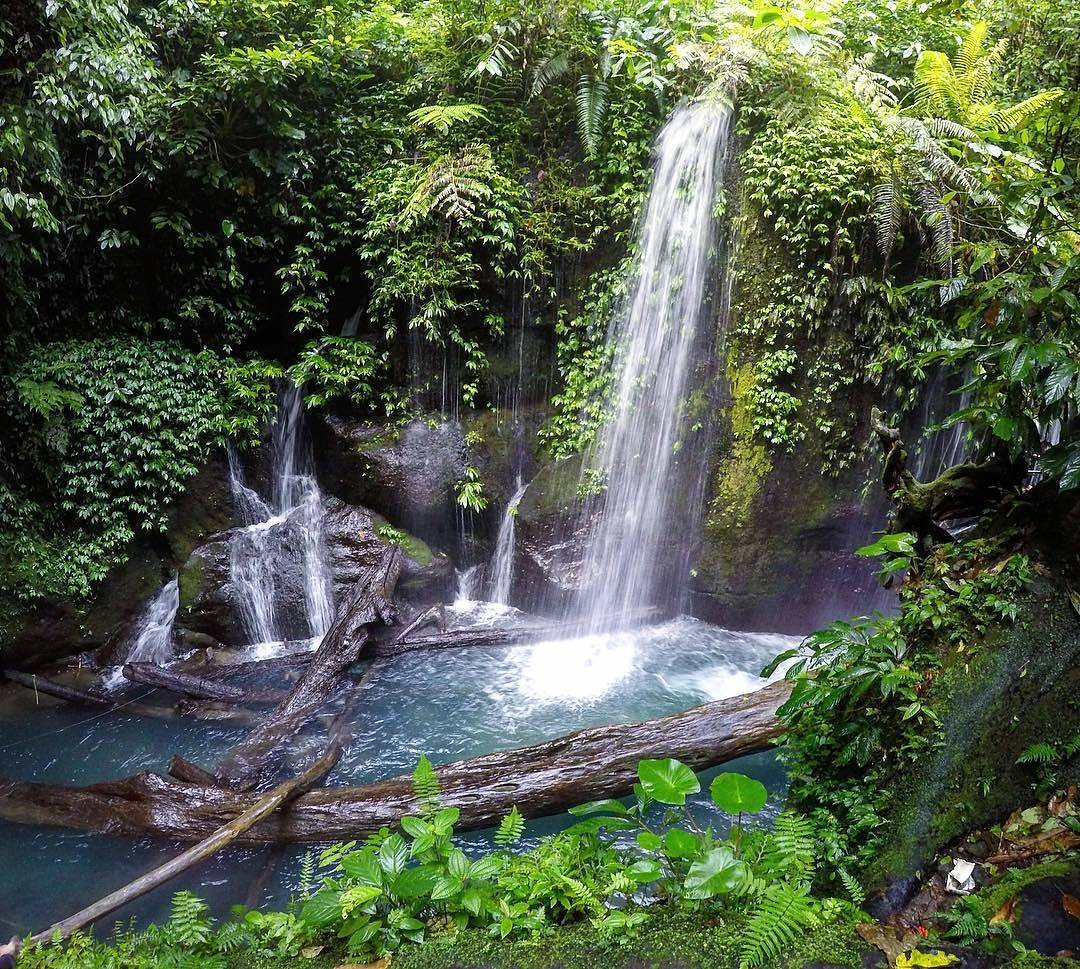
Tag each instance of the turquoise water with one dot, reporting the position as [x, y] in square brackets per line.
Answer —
[447, 704]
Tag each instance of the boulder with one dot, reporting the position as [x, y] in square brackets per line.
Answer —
[405, 473]
[355, 539]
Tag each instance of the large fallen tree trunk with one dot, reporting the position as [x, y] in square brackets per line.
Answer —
[265, 805]
[199, 687]
[542, 779]
[370, 601]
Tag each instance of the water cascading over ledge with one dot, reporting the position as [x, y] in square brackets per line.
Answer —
[259, 551]
[652, 456]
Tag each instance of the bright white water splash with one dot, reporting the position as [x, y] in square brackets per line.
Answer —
[661, 332]
[501, 571]
[151, 636]
[258, 552]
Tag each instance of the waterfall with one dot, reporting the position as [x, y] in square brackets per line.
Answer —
[260, 550]
[151, 639]
[501, 570]
[939, 450]
[636, 551]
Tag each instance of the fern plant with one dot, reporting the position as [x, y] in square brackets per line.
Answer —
[425, 784]
[784, 912]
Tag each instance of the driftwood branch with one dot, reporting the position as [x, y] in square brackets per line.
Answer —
[370, 600]
[541, 779]
[93, 699]
[501, 635]
[265, 805]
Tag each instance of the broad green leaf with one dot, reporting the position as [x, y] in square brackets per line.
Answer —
[644, 871]
[738, 794]
[322, 909]
[667, 781]
[649, 841]
[681, 844]
[718, 873]
[608, 806]
[363, 866]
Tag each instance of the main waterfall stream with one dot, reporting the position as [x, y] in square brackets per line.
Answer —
[448, 704]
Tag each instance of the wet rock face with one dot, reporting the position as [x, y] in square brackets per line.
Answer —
[406, 474]
[52, 629]
[209, 596]
[550, 539]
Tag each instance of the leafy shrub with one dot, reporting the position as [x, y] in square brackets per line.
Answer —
[112, 431]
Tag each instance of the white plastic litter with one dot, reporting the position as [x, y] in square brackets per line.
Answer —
[960, 881]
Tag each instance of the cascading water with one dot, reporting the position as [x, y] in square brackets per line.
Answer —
[943, 449]
[501, 570]
[660, 333]
[257, 551]
[151, 641]
[151, 638]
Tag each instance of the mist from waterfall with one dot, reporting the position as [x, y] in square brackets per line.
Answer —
[501, 570]
[663, 329]
[258, 552]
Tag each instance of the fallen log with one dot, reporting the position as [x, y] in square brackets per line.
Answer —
[479, 636]
[265, 805]
[370, 601]
[199, 687]
[223, 664]
[436, 614]
[542, 779]
[93, 699]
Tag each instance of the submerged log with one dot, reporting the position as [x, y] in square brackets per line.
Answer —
[96, 700]
[264, 806]
[542, 779]
[199, 687]
[369, 601]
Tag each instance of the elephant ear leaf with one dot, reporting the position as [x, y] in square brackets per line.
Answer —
[738, 794]
[667, 781]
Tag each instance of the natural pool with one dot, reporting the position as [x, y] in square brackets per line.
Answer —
[447, 704]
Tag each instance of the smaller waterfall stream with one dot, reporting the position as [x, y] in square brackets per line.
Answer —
[151, 636]
[260, 550]
[501, 571]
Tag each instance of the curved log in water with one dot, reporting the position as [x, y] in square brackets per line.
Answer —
[541, 779]
[266, 805]
[370, 601]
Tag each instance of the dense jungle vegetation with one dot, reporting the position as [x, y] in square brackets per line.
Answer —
[200, 198]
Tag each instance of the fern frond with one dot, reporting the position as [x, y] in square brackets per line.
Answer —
[885, 210]
[1009, 119]
[425, 785]
[189, 922]
[510, 829]
[443, 117]
[548, 70]
[851, 886]
[592, 104]
[935, 87]
[937, 218]
[783, 914]
[1041, 753]
[793, 846]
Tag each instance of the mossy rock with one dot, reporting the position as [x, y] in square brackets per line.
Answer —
[54, 628]
[1020, 687]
